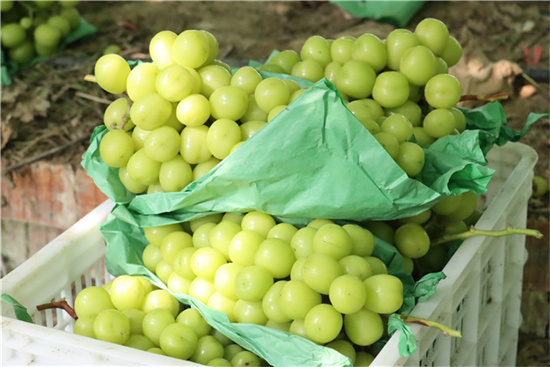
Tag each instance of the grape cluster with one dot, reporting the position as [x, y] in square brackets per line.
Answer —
[130, 311]
[398, 88]
[320, 282]
[421, 239]
[31, 28]
[183, 113]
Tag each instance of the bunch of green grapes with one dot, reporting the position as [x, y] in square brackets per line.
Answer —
[421, 239]
[35, 28]
[398, 88]
[319, 282]
[183, 113]
[130, 311]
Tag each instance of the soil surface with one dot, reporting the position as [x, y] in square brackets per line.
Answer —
[49, 111]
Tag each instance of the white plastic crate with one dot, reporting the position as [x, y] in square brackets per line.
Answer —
[481, 295]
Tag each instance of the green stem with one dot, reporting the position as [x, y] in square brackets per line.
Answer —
[489, 233]
[447, 331]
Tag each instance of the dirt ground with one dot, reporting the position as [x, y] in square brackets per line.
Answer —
[50, 111]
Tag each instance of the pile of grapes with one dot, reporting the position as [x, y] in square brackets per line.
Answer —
[35, 28]
[130, 311]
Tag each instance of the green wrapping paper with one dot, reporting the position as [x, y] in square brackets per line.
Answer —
[125, 244]
[398, 13]
[313, 160]
[84, 29]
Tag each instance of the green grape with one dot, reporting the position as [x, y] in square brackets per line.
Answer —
[319, 222]
[151, 257]
[276, 256]
[207, 349]
[465, 208]
[270, 303]
[47, 35]
[310, 70]
[296, 271]
[347, 294]
[112, 326]
[439, 123]
[116, 148]
[410, 158]
[341, 49]
[233, 217]
[275, 111]
[384, 293]
[371, 50]
[178, 340]
[22, 54]
[160, 298]
[245, 359]
[213, 47]
[357, 266]
[138, 136]
[298, 327]
[221, 235]
[194, 148]
[213, 77]
[219, 362]
[252, 283]
[284, 326]
[285, 60]
[441, 66]
[420, 218]
[391, 89]
[434, 260]
[323, 323]
[343, 347]
[408, 264]
[205, 261]
[355, 79]
[452, 52]
[91, 301]
[111, 72]
[363, 327]
[296, 94]
[174, 242]
[249, 128]
[539, 186]
[249, 312]
[201, 289]
[271, 68]
[224, 340]
[460, 120]
[200, 235]
[175, 174]
[182, 263]
[156, 350]
[155, 234]
[211, 218]
[243, 247]
[174, 83]
[398, 126]
[388, 142]
[296, 299]
[6, 6]
[365, 114]
[224, 279]
[412, 240]
[191, 48]
[162, 144]
[377, 266]
[117, 115]
[127, 292]
[222, 135]
[164, 270]
[246, 78]
[283, 231]
[447, 205]
[418, 65]
[433, 34]
[219, 302]
[228, 102]
[61, 23]
[141, 168]
[319, 270]
[84, 325]
[150, 111]
[72, 15]
[140, 342]
[397, 43]
[136, 320]
[362, 240]
[292, 85]
[333, 240]
[316, 48]
[193, 318]
[253, 111]
[258, 222]
[443, 91]
[204, 167]
[270, 93]
[178, 284]
[160, 48]
[410, 110]
[421, 136]
[154, 188]
[331, 70]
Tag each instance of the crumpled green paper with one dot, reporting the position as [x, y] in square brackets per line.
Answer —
[313, 160]
[84, 29]
[398, 13]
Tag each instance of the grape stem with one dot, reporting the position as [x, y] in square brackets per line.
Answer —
[490, 233]
[62, 304]
[447, 331]
[489, 98]
[90, 78]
